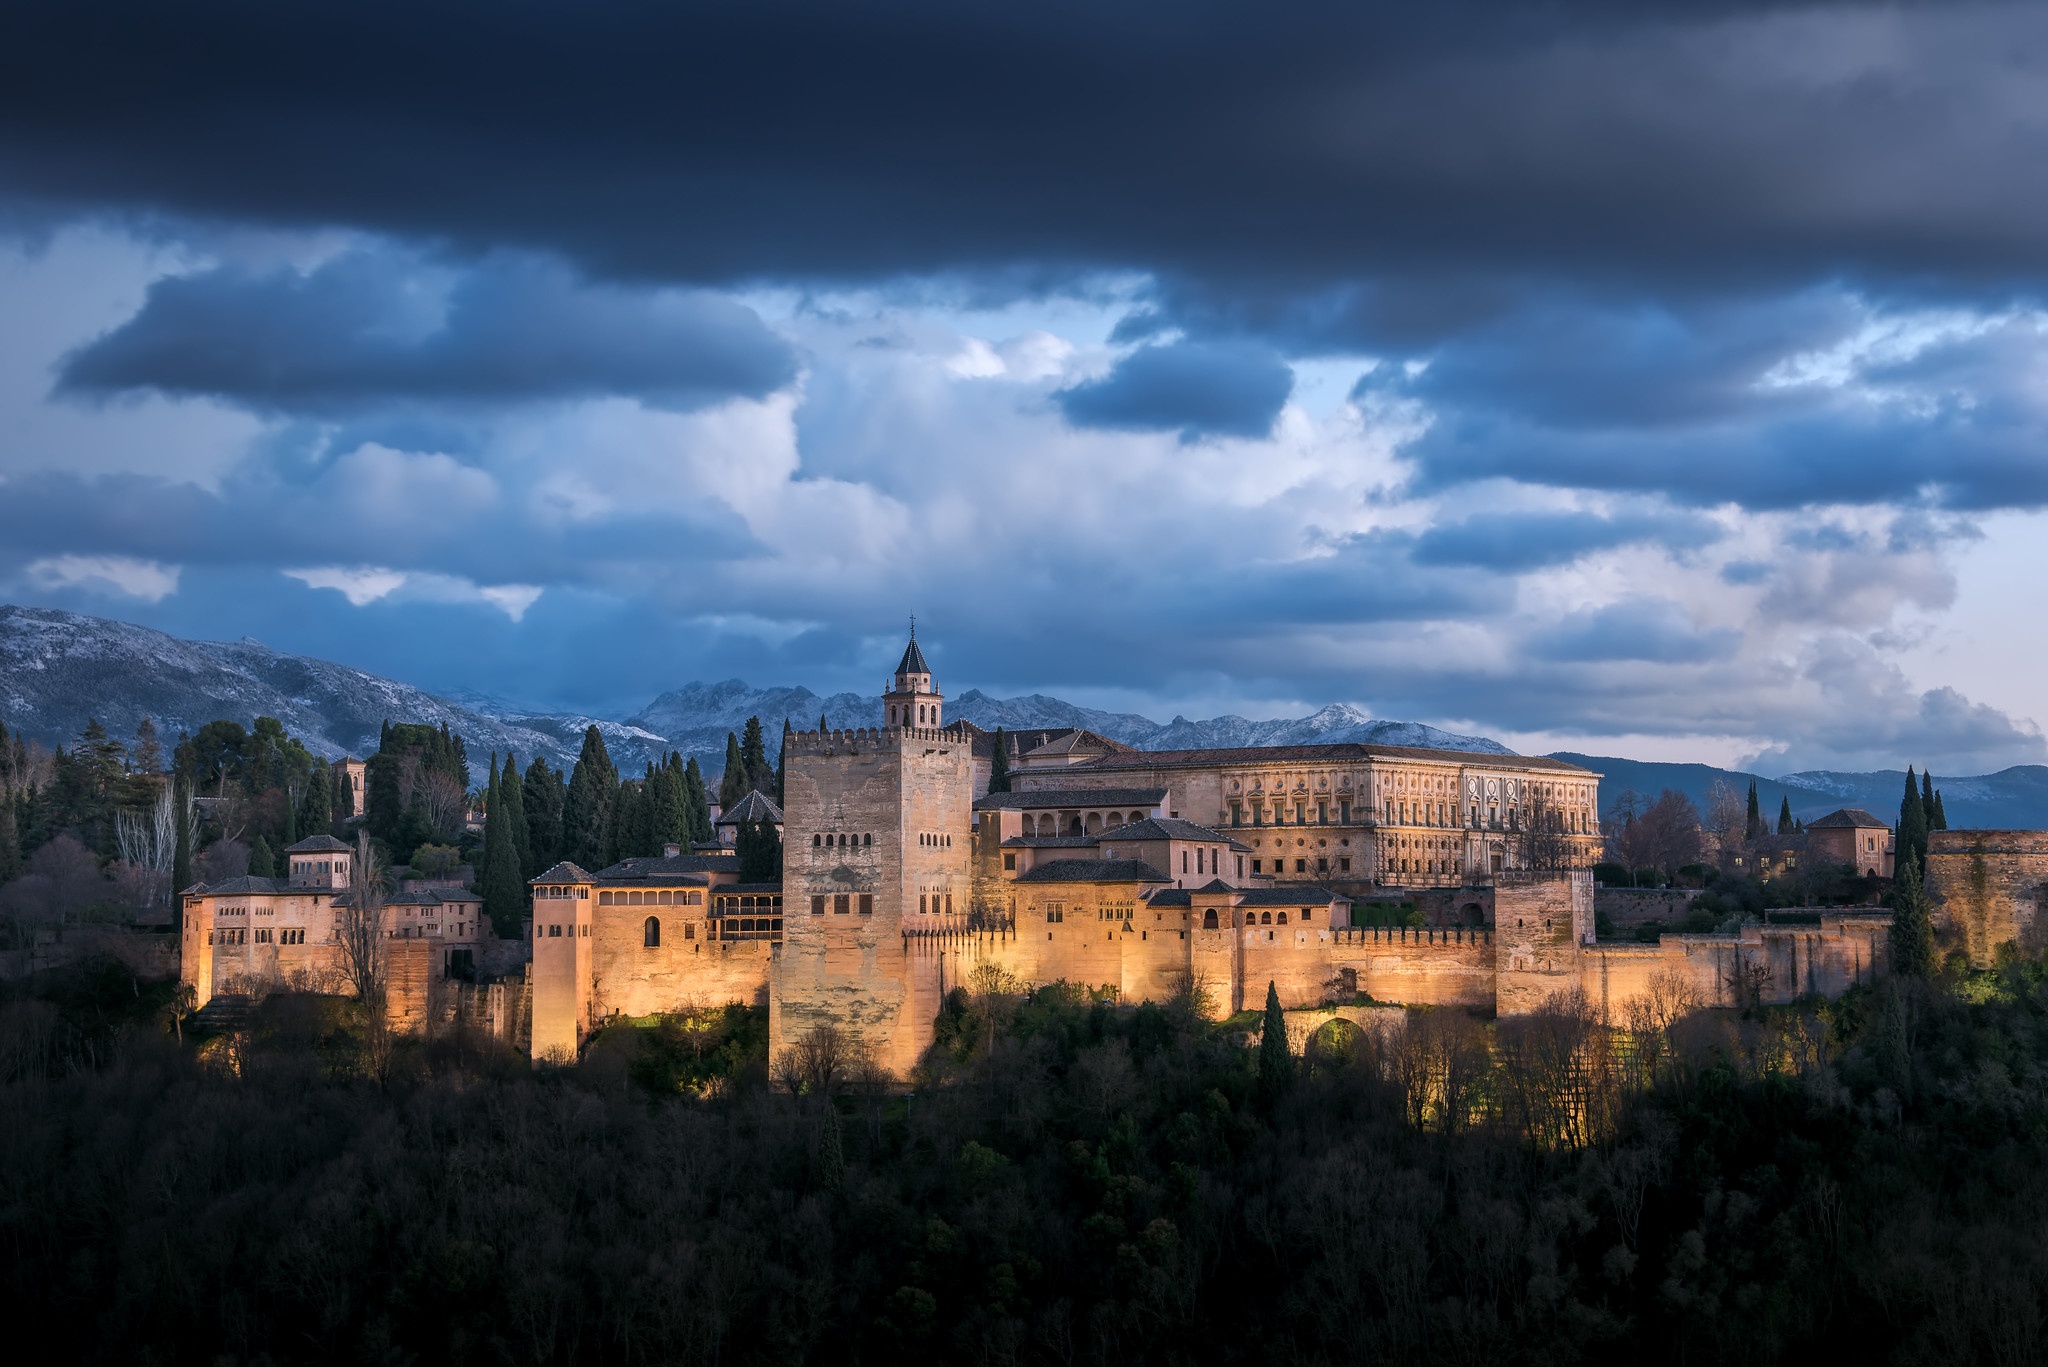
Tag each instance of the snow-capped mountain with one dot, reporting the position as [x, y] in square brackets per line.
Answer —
[60, 669]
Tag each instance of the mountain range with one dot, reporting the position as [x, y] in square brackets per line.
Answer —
[60, 669]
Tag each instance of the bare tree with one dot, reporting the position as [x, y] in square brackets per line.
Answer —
[445, 803]
[148, 844]
[1726, 821]
[1543, 842]
[814, 1063]
[359, 927]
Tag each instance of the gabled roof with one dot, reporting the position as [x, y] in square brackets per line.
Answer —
[1296, 896]
[1074, 740]
[755, 806]
[318, 844]
[688, 868]
[1848, 818]
[913, 660]
[1041, 799]
[1094, 871]
[1339, 753]
[244, 886]
[431, 897]
[1051, 842]
[564, 872]
[1164, 828]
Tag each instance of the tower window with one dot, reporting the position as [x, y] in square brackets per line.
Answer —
[867, 904]
[650, 934]
[817, 906]
[841, 904]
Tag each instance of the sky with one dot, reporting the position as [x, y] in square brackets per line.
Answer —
[1661, 381]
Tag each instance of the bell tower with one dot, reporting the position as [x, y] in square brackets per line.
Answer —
[912, 701]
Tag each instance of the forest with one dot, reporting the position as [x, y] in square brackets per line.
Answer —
[1068, 1179]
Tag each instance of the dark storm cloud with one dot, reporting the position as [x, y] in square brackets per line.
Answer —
[1199, 389]
[371, 328]
[1282, 163]
[1650, 630]
[1515, 542]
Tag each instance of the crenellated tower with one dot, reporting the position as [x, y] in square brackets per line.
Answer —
[876, 856]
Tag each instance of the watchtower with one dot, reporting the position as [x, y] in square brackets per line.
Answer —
[875, 857]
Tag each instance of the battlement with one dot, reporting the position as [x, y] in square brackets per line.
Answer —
[1411, 935]
[852, 739]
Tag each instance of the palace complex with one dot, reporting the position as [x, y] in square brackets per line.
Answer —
[1150, 873]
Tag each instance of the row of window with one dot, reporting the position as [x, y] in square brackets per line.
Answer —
[554, 932]
[265, 935]
[561, 893]
[667, 897]
[1301, 866]
[1301, 814]
[927, 714]
[844, 840]
[931, 841]
[843, 903]
[933, 899]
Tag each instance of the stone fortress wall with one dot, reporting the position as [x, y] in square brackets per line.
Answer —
[1987, 888]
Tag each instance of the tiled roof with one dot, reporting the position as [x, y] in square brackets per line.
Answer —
[564, 872]
[668, 868]
[1044, 798]
[1169, 897]
[913, 660]
[320, 844]
[1164, 828]
[1289, 897]
[1341, 752]
[1051, 842]
[1067, 741]
[1094, 871]
[243, 886]
[431, 897]
[1847, 818]
[755, 806]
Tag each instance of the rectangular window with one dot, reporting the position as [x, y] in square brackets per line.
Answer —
[922, 905]
[949, 904]
[842, 903]
[1258, 816]
[1183, 861]
[1255, 866]
[1301, 866]
[1236, 815]
[1344, 813]
[1322, 813]
[1300, 813]
[1010, 862]
[689, 930]
[1344, 865]
[867, 904]
[1240, 866]
[818, 905]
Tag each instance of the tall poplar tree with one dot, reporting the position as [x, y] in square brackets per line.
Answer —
[587, 808]
[542, 792]
[511, 792]
[1912, 836]
[1912, 938]
[732, 784]
[754, 756]
[1754, 826]
[698, 799]
[999, 764]
[1276, 1063]
[504, 888]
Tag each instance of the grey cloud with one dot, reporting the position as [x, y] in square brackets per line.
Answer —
[1199, 389]
[1650, 630]
[379, 326]
[1515, 542]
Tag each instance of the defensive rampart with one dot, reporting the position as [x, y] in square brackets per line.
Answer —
[1986, 888]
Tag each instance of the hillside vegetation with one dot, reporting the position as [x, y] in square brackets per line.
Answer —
[1072, 1181]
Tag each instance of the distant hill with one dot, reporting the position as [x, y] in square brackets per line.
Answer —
[57, 669]
[2015, 798]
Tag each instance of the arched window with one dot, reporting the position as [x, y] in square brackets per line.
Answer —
[1266, 919]
[1074, 828]
[1095, 823]
[1209, 919]
[651, 933]
[1283, 918]
[868, 839]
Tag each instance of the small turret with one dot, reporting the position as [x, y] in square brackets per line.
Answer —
[912, 700]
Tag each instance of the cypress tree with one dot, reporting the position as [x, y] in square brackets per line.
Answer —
[1785, 824]
[999, 765]
[504, 888]
[511, 792]
[1940, 822]
[542, 793]
[1754, 827]
[10, 841]
[1912, 938]
[587, 807]
[1912, 836]
[781, 756]
[181, 858]
[261, 865]
[1276, 1064]
[493, 832]
[754, 755]
[341, 802]
[624, 843]
[732, 784]
[760, 852]
[699, 801]
[316, 816]
[291, 822]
